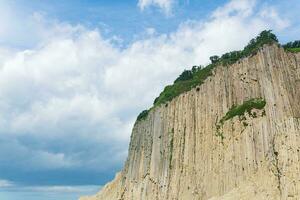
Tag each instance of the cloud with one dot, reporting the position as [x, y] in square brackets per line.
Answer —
[20, 192]
[69, 102]
[243, 8]
[6, 183]
[22, 30]
[271, 15]
[165, 5]
[60, 189]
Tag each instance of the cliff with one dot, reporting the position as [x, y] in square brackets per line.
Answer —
[196, 147]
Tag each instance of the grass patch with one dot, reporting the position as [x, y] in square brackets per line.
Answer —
[293, 47]
[240, 110]
[293, 50]
[247, 106]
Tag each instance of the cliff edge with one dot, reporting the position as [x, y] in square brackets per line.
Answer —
[235, 136]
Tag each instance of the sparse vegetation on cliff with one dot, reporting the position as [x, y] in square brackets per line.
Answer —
[293, 47]
[295, 50]
[142, 115]
[240, 110]
[181, 85]
[295, 44]
[247, 106]
[265, 37]
[189, 79]
[197, 75]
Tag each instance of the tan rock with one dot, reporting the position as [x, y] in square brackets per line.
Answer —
[175, 152]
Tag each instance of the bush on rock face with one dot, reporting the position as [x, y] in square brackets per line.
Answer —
[247, 106]
[142, 115]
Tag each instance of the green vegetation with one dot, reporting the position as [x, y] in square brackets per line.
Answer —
[214, 59]
[142, 115]
[185, 75]
[265, 37]
[247, 106]
[289, 45]
[220, 134]
[240, 110]
[293, 50]
[293, 47]
[189, 79]
[183, 84]
[197, 75]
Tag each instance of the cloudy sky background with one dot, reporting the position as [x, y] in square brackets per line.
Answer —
[75, 74]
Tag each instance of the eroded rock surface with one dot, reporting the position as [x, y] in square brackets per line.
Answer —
[176, 153]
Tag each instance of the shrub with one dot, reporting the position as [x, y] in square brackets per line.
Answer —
[293, 50]
[295, 44]
[214, 59]
[247, 106]
[293, 47]
[186, 75]
[180, 86]
[265, 37]
[143, 115]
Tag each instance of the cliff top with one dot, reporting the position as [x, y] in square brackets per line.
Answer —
[189, 79]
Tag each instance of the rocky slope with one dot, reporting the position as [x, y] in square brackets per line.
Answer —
[181, 151]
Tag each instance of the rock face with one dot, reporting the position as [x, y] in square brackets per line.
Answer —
[176, 153]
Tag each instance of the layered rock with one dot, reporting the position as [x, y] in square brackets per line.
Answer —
[176, 153]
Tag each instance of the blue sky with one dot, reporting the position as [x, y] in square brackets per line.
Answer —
[120, 18]
[75, 74]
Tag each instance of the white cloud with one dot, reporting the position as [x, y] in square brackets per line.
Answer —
[6, 183]
[45, 192]
[165, 5]
[62, 189]
[70, 101]
[242, 8]
[18, 29]
[271, 15]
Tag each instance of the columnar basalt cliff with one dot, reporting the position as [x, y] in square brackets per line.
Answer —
[194, 148]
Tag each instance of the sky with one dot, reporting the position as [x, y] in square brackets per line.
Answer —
[74, 74]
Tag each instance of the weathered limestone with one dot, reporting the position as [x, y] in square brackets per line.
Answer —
[175, 152]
